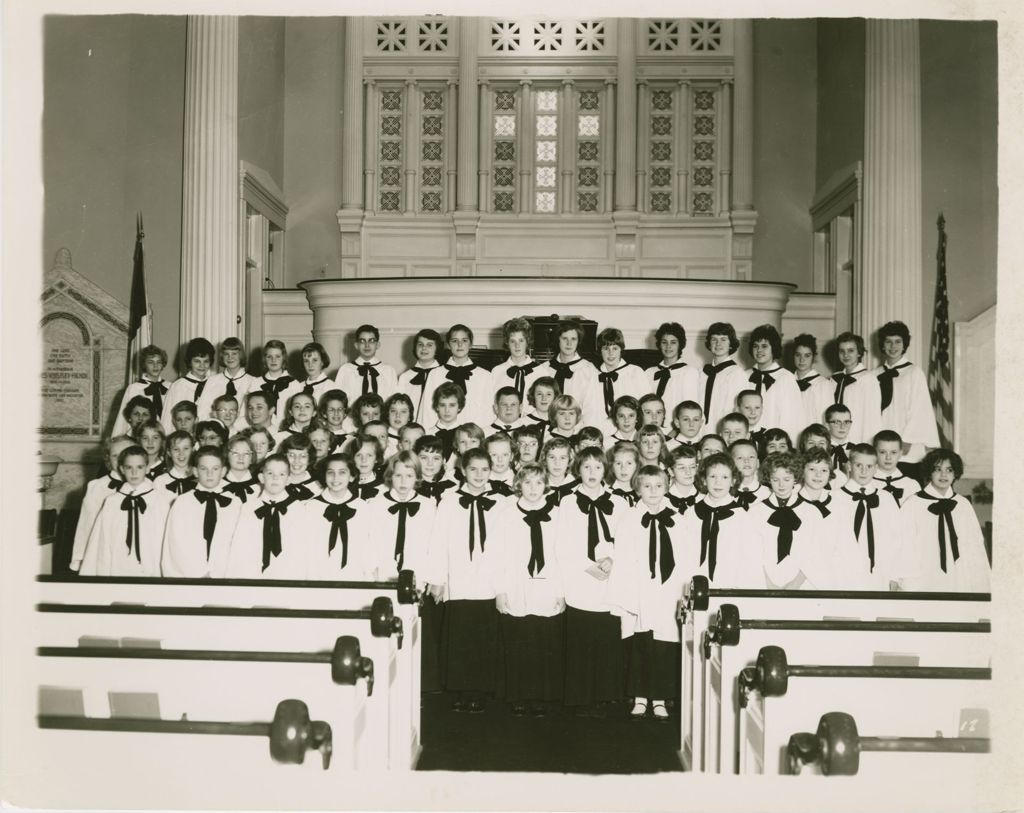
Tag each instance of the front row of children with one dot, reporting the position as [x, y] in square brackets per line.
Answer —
[546, 594]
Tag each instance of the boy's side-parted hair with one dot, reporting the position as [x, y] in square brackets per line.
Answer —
[894, 328]
[407, 459]
[198, 347]
[648, 471]
[671, 329]
[276, 457]
[687, 405]
[863, 449]
[258, 394]
[448, 389]
[207, 451]
[153, 351]
[748, 394]
[717, 459]
[410, 427]
[543, 381]
[504, 392]
[793, 463]
[937, 457]
[589, 453]
[849, 336]
[428, 443]
[174, 437]
[611, 336]
[497, 437]
[742, 442]
[886, 436]
[734, 417]
[520, 324]
[184, 406]
[359, 331]
[528, 470]
[769, 333]
[712, 437]
[316, 347]
[837, 409]
[226, 399]
[722, 329]
[683, 453]
[132, 451]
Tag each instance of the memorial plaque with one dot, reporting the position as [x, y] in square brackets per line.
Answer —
[71, 366]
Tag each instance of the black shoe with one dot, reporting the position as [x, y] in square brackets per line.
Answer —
[459, 705]
[519, 709]
[476, 706]
[538, 710]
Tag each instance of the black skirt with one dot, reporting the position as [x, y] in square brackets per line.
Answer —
[534, 657]
[471, 651]
[431, 615]
[593, 657]
[653, 668]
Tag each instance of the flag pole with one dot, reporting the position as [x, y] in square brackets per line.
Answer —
[140, 324]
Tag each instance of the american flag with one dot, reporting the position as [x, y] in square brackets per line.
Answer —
[940, 374]
[140, 318]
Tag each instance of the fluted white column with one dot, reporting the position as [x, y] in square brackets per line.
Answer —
[890, 276]
[625, 119]
[354, 182]
[210, 271]
[743, 115]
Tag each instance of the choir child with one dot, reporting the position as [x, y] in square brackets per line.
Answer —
[889, 447]
[339, 538]
[615, 376]
[857, 389]
[199, 355]
[750, 488]
[556, 457]
[232, 379]
[710, 444]
[499, 448]
[401, 520]
[584, 532]
[270, 540]
[434, 482]
[722, 539]
[682, 492]
[526, 442]
[540, 397]
[905, 401]
[413, 382]
[475, 382]
[320, 439]
[625, 413]
[211, 433]
[128, 533]
[943, 546]
[334, 417]
[816, 391]
[365, 410]
[225, 410]
[239, 480]
[262, 442]
[96, 491]
[816, 477]
[864, 550]
[520, 370]
[774, 441]
[298, 451]
[315, 362]
[150, 386]
[791, 530]
[672, 379]
[529, 597]
[651, 443]
[300, 416]
[586, 437]
[460, 567]
[275, 378]
[783, 406]
[687, 421]
[467, 436]
[152, 439]
[644, 588]
[200, 524]
[367, 374]
[621, 463]
[397, 413]
[135, 413]
[733, 427]
[178, 479]
[508, 410]
[448, 402]
[816, 436]
[573, 374]
[183, 417]
[368, 455]
[840, 424]
[652, 411]
[723, 378]
[750, 405]
[566, 416]
[408, 435]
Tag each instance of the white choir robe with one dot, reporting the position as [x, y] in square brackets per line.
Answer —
[847, 553]
[631, 381]
[383, 527]
[644, 602]
[818, 396]
[184, 550]
[920, 564]
[164, 482]
[536, 594]
[910, 413]
[501, 378]
[759, 490]
[245, 560]
[321, 384]
[183, 389]
[613, 436]
[251, 488]
[683, 385]
[136, 388]
[783, 407]
[423, 411]
[350, 380]
[107, 552]
[678, 440]
[864, 400]
[738, 552]
[897, 480]
[324, 564]
[729, 383]
[479, 407]
[583, 591]
[217, 385]
[498, 426]
[581, 387]
[806, 550]
[95, 493]
[465, 576]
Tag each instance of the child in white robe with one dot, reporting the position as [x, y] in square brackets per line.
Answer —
[96, 493]
[672, 379]
[340, 547]
[367, 373]
[178, 478]
[889, 447]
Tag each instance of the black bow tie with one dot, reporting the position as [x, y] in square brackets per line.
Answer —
[501, 488]
[157, 470]
[338, 514]
[563, 371]
[200, 386]
[338, 439]
[307, 387]
[447, 438]
[821, 505]
[134, 504]
[404, 510]
[518, 375]
[608, 385]
[240, 489]
[231, 389]
[299, 491]
[942, 507]
[274, 387]
[682, 503]
[534, 519]
[659, 524]
[885, 382]
[154, 390]
[270, 513]
[712, 371]
[460, 375]
[596, 510]
[211, 500]
[762, 378]
[114, 484]
[182, 486]
[865, 502]
[843, 380]
[369, 374]
[896, 491]
[436, 489]
[367, 491]
[710, 517]
[557, 493]
[785, 519]
[745, 499]
[478, 505]
[839, 457]
[629, 496]
[664, 374]
[804, 383]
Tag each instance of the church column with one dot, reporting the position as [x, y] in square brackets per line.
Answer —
[890, 276]
[625, 216]
[740, 115]
[467, 208]
[210, 272]
[350, 215]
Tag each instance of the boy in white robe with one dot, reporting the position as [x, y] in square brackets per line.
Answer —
[96, 493]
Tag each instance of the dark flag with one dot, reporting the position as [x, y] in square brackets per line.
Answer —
[940, 374]
[140, 320]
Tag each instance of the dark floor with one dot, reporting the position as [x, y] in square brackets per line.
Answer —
[560, 742]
